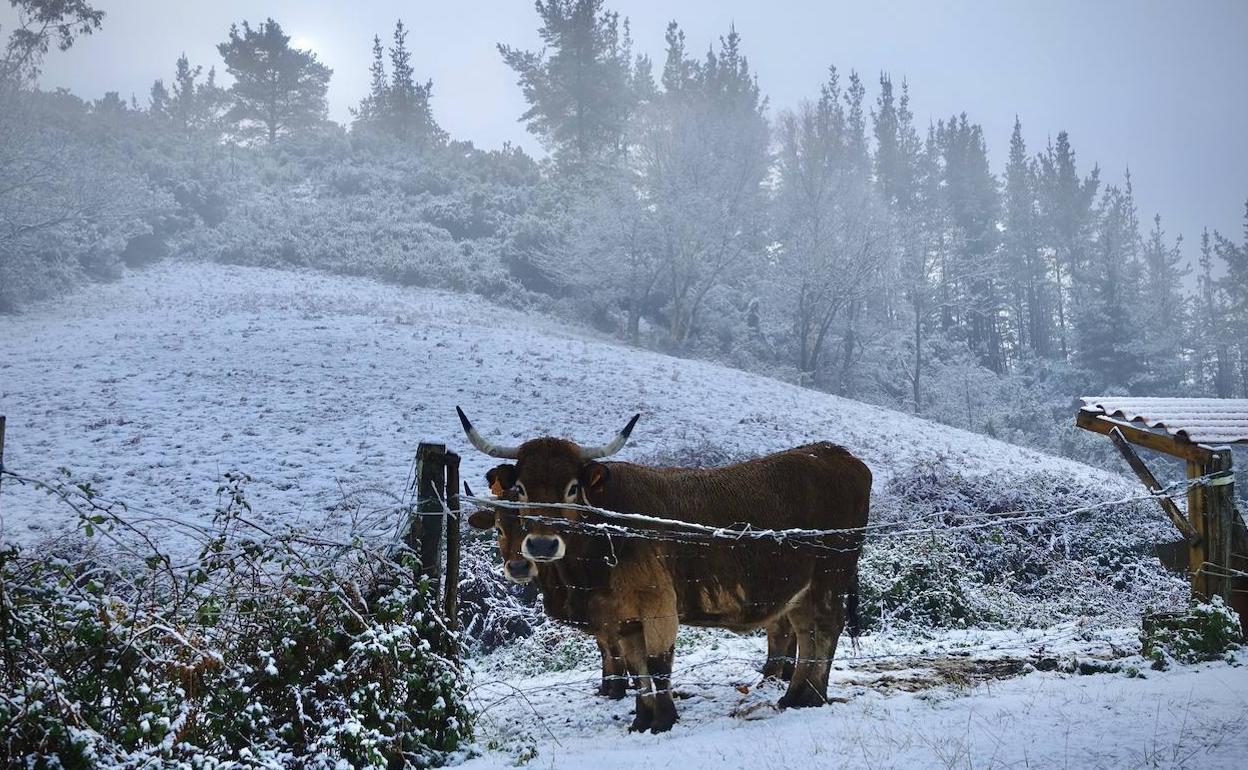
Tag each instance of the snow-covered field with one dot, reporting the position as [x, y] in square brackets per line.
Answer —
[321, 388]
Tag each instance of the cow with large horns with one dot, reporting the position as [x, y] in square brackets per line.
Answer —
[633, 592]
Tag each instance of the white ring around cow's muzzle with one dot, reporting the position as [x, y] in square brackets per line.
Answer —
[538, 548]
[532, 570]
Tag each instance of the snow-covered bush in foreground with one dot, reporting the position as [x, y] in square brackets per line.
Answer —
[272, 651]
[1205, 631]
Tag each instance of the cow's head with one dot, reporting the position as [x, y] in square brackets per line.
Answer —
[547, 470]
[506, 523]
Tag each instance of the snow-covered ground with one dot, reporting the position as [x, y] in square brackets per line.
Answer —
[965, 700]
[321, 388]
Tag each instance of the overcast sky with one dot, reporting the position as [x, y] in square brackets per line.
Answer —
[1159, 86]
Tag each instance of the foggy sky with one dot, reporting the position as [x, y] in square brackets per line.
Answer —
[1158, 86]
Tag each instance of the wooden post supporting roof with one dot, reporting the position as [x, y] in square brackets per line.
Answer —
[1194, 431]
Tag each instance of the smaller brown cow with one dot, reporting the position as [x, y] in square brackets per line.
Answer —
[636, 591]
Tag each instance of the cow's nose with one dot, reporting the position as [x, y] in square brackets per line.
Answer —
[519, 570]
[541, 547]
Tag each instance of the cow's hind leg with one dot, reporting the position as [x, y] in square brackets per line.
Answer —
[781, 650]
[817, 624]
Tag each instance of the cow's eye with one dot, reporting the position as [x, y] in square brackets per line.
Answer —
[574, 489]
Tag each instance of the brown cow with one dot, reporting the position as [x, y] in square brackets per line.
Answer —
[510, 533]
[634, 591]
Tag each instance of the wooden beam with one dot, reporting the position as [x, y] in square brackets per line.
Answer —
[1150, 481]
[1164, 443]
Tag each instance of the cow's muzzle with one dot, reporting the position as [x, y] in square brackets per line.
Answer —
[543, 547]
[519, 570]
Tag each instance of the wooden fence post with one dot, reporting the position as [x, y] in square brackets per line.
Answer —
[1, 448]
[424, 536]
[452, 540]
[1220, 513]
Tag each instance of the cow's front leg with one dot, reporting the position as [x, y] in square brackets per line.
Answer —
[614, 675]
[781, 651]
[649, 647]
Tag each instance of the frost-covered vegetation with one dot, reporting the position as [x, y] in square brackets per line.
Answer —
[831, 243]
[268, 649]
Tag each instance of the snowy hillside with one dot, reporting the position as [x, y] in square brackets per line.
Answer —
[317, 386]
[320, 388]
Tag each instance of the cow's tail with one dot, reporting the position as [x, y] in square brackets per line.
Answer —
[853, 618]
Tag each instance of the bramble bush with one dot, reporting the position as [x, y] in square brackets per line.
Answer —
[273, 650]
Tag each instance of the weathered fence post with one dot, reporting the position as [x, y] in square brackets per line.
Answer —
[1220, 529]
[1, 449]
[424, 537]
[452, 540]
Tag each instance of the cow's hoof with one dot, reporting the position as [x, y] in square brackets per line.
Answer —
[664, 716]
[809, 699]
[616, 689]
[643, 720]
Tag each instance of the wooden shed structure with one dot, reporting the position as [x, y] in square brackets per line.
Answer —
[1198, 431]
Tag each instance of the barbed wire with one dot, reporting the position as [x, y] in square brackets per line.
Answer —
[748, 531]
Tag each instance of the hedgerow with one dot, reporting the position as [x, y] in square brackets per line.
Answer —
[266, 650]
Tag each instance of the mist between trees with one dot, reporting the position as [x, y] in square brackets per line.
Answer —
[833, 243]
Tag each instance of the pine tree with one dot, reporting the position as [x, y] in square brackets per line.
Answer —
[970, 282]
[368, 115]
[1234, 286]
[277, 89]
[1107, 291]
[191, 107]
[1066, 218]
[407, 114]
[578, 95]
[1029, 286]
[1161, 329]
[1215, 369]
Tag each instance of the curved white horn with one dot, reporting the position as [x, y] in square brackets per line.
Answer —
[491, 449]
[617, 443]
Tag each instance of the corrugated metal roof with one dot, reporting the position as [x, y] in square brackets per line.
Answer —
[1199, 420]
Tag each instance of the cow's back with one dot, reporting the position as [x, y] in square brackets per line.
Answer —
[743, 583]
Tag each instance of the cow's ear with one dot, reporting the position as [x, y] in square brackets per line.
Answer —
[481, 519]
[501, 478]
[594, 477]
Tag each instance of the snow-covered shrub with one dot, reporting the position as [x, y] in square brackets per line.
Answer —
[266, 652]
[493, 611]
[922, 581]
[1205, 631]
[1036, 549]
